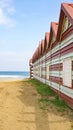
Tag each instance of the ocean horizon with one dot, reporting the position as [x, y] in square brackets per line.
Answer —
[14, 75]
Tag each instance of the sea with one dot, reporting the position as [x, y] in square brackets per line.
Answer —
[9, 75]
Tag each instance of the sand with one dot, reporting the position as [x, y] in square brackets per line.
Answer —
[19, 109]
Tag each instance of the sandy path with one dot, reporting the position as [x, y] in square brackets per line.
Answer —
[19, 110]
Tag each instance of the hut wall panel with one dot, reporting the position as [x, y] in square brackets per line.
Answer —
[56, 73]
[67, 91]
[62, 89]
[67, 41]
[72, 74]
[55, 49]
[47, 82]
[54, 85]
[72, 64]
[43, 65]
[40, 79]
[36, 77]
[47, 63]
[56, 61]
[61, 51]
[58, 80]
[66, 56]
[47, 54]
[68, 99]
[67, 49]
[43, 80]
[43, 72]
[72, 83]
[56, 67]
[64, 43]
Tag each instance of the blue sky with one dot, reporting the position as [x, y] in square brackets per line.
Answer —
[23, 24]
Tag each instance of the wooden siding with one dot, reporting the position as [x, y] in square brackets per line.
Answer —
[72, 65]
[57, 67]
[56, 79]
[53, 58]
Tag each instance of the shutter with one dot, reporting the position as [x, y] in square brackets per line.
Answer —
[67, 67]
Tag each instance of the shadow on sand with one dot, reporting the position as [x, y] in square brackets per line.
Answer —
[33, 116]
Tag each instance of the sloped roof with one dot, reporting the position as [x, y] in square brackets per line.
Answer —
[36, 54]
[46, 40]
[30, 61]
[53, 31]
[47, 36]
[54, 28]
[33, 58]
[39, 49]
[42, 46]
[66, 9]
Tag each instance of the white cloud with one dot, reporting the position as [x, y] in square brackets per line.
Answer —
[5, 11]
[5, 3]
[3, 19]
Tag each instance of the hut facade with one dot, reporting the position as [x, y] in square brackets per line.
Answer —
[52, 62]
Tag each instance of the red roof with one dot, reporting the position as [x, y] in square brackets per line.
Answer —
[66, 9]
[37, 53]
[47, 36]
[40, 49]
[30, 61]
[53, 31]
[54, 28]
[42, 46]
[46, 40]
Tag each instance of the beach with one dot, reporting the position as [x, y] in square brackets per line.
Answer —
[19, 109]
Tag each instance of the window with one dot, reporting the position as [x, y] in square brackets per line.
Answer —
[67, 70]
[47, 72]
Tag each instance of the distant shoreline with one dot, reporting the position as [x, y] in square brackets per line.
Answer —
[13, 76]
[13, 80]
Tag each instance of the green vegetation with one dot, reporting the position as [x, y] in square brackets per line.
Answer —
[42, 89]
[48, 96]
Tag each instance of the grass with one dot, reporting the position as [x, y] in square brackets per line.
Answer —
[48, 100]
[60, 104]
[42, 89]
[48, 96]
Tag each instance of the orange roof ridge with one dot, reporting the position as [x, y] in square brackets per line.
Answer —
[68, 10]
[54, 27]
[47, 36]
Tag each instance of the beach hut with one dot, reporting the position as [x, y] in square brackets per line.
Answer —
[53, 60]
[65, 38]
